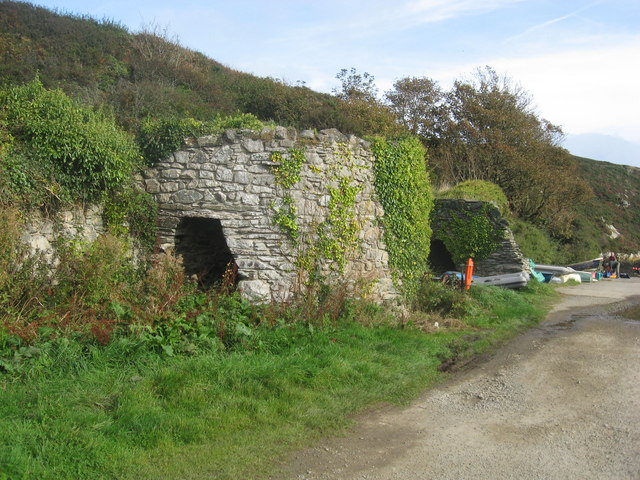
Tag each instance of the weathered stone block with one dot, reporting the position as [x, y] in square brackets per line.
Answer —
[187, 196]
[257, 291]
[308, 135]
[209, 141]
[252, 146]
[230, 136]
[189, 173]
[170, 173]
[223, 175]
[249, 198]
[242, 177]
[169, 187]
[181, 157]
[152, 186]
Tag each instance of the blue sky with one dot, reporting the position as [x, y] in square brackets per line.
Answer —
[580, 60]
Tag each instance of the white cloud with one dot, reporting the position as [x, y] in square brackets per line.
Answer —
[440, 10]
[584, 90]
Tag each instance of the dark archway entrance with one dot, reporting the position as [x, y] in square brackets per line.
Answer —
[204, 250]
[439, 257]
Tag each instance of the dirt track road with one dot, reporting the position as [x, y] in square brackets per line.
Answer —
[561, 401]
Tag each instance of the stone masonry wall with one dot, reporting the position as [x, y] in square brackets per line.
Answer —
[229, 178]
[40, 233]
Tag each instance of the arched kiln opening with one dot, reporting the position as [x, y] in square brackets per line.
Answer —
[439, 257]
[204, 250]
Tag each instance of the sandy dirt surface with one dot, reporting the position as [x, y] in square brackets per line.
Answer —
[561, 401]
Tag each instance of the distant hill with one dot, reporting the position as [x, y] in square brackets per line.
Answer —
[616, 203]
[604, 147]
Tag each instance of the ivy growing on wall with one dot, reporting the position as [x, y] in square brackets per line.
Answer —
[286, 170]
[337, 235]
[402, 185]
[471, 233]
[286, 217]
[132, 212]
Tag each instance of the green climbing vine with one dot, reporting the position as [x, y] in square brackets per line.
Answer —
[286, 169]
[337, 235]
[471, 233]
[402, 185]
[286, 217]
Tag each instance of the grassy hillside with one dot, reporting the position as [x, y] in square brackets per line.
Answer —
[616, 202]
[101, 62]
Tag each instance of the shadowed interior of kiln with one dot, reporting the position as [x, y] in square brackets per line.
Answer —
[439, 257]
[204, 250]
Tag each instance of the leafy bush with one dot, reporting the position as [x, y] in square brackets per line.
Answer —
[468, 231]
[237, 121]
[479, 190]
[83, 150]
[439, 298]
[159, 138]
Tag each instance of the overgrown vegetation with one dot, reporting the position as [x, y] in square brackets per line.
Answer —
[149, 74]
[470, 232]
[79, 153]
[114, 373]
[482, 128]
[286, 170]
[479, 190]
[536, 243]
[160, 137]
[323, 248]
[56, 152]
[402, 184]
[616, 202]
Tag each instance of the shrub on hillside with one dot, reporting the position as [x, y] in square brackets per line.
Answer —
[80, 149]
[537, 244]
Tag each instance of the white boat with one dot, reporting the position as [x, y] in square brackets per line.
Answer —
[560, 274]
[556, 269]
[506, 280]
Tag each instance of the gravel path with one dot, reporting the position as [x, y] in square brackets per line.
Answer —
[561, 401]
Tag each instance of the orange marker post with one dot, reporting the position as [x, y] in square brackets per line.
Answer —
[468, 274]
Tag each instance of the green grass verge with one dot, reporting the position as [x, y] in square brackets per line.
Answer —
[78, 411]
